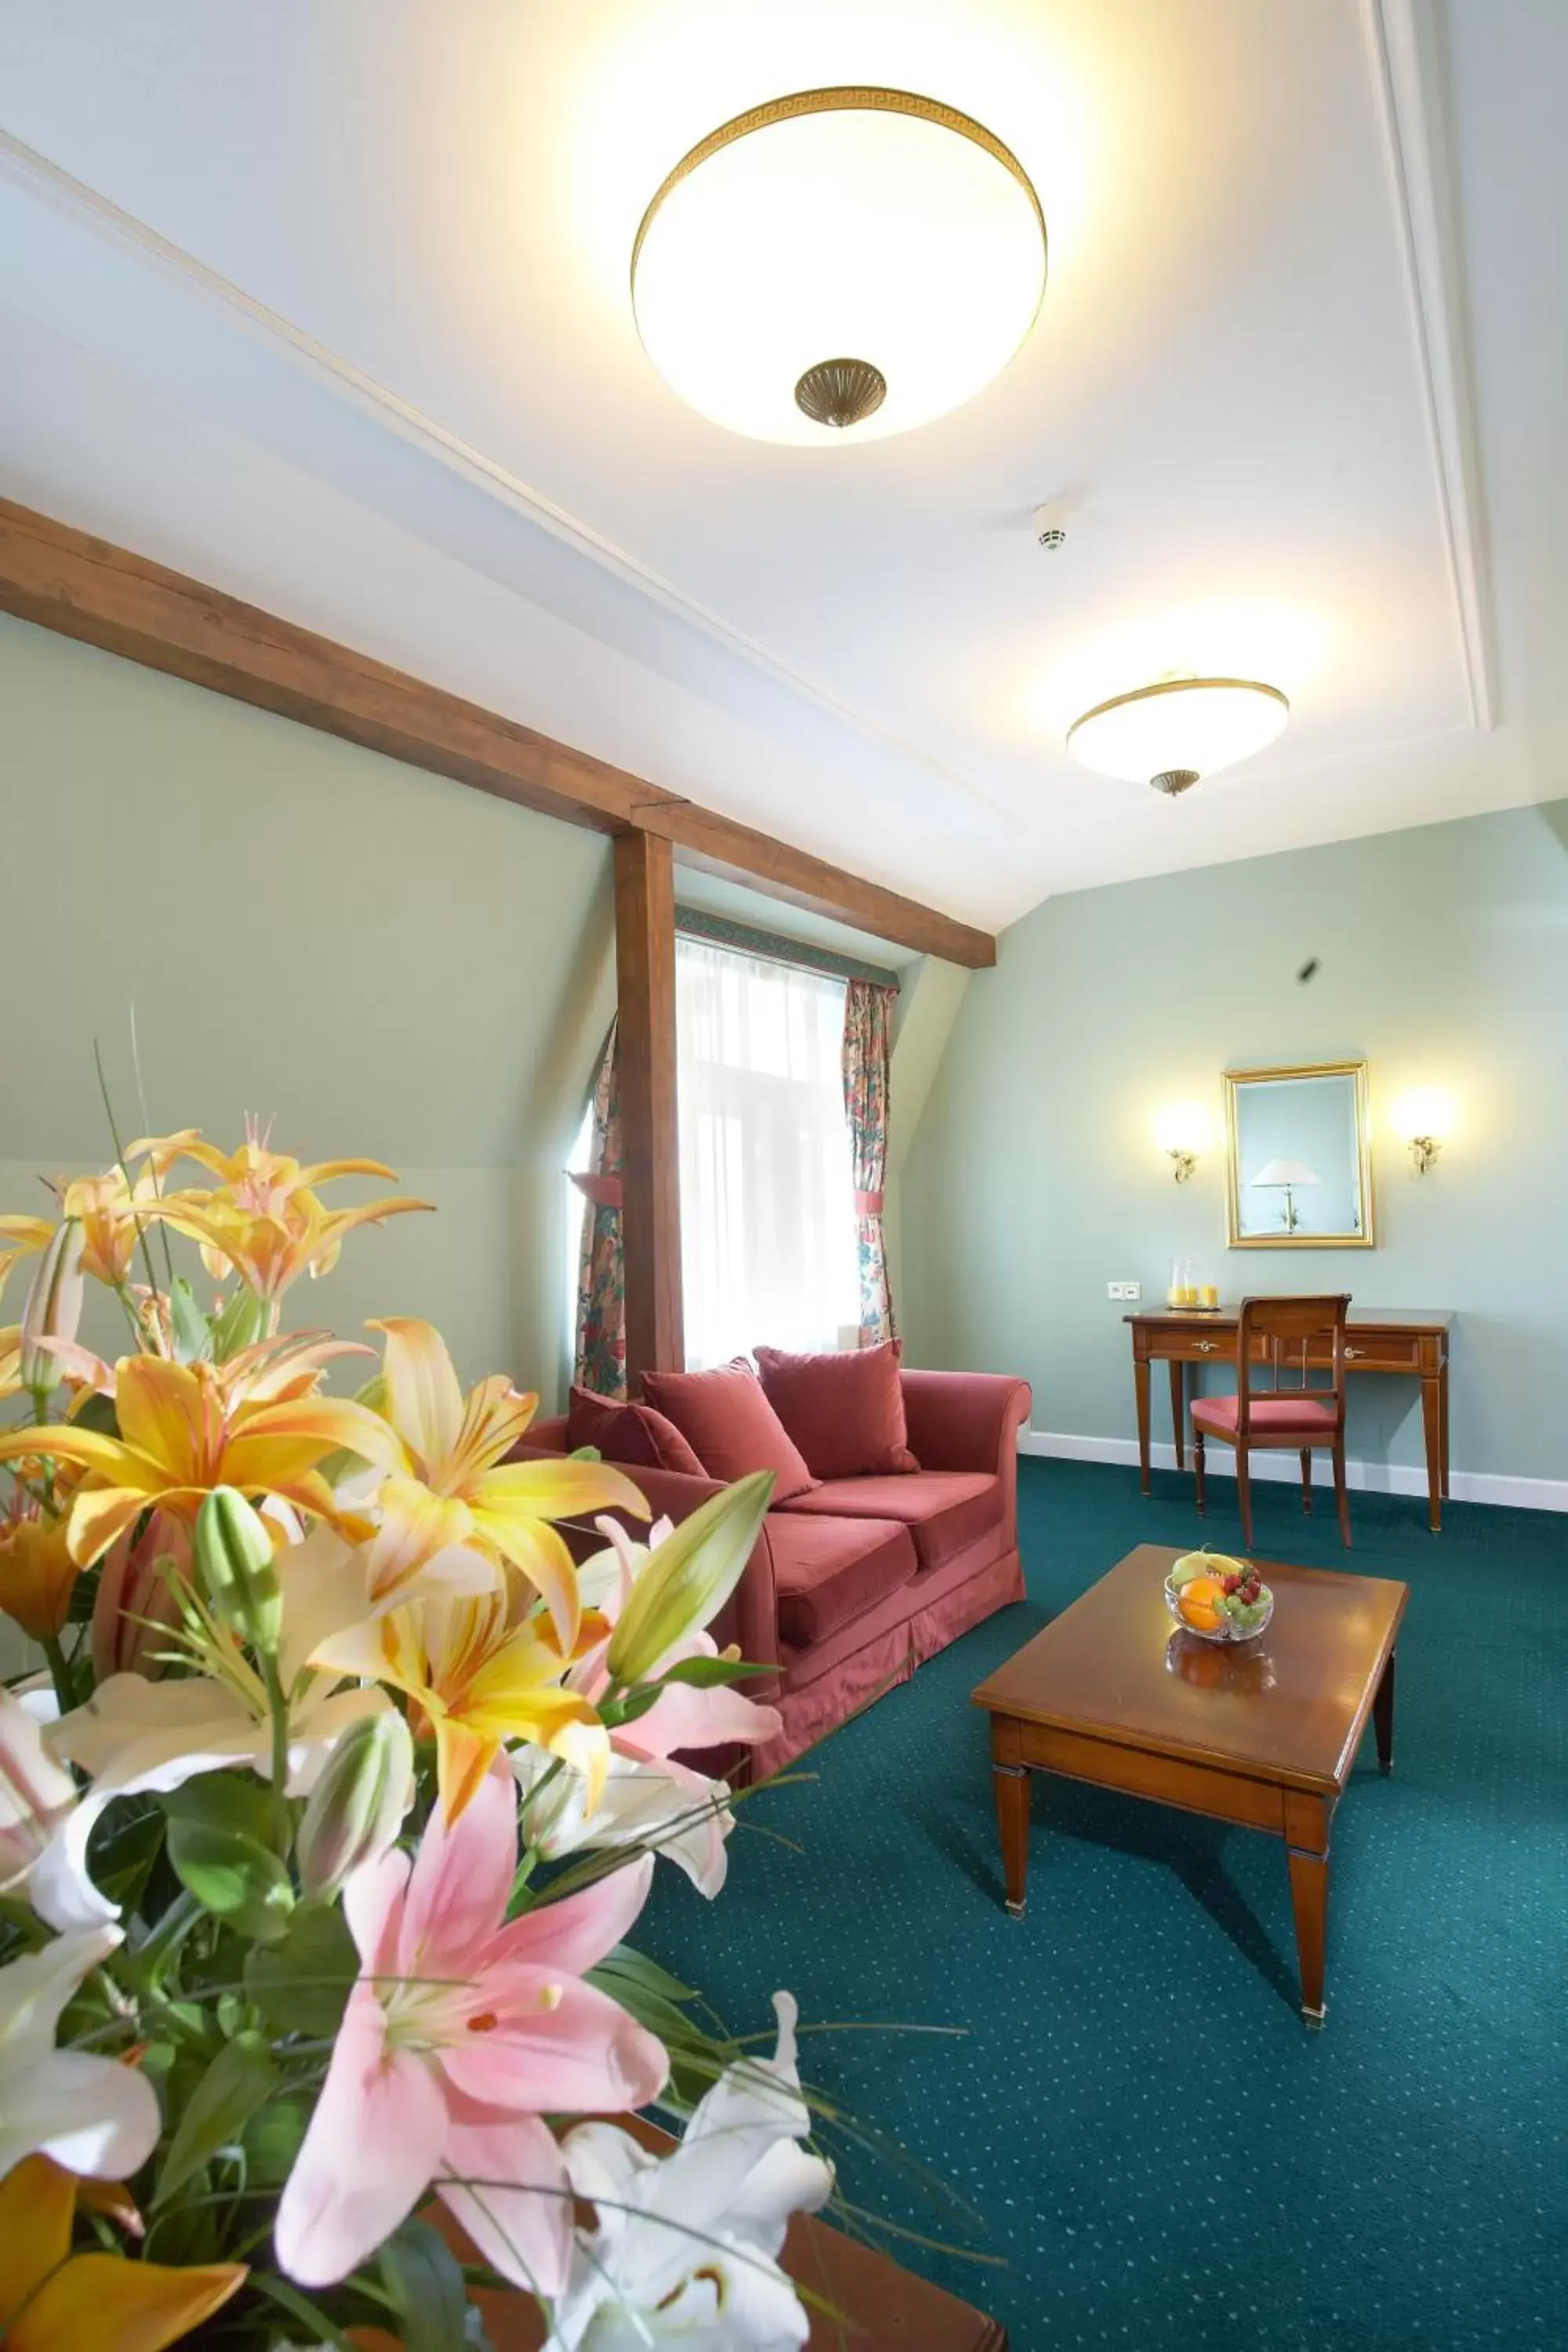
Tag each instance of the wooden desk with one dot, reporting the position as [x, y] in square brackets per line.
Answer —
[1409, 1340]
[1263, 1733]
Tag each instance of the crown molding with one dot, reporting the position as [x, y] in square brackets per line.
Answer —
[114, 226]
[1407, 57]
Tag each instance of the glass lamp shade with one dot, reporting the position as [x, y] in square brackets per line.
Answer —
[839, 266]
[1171, 734]
[1426, 1111]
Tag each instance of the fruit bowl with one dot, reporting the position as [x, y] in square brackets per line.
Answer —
[1218, 1599]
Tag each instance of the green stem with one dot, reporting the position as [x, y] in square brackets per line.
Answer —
[158, 1948]
[278, 1707]
[59, 1671]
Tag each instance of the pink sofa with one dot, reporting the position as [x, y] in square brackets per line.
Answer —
[852, 1586]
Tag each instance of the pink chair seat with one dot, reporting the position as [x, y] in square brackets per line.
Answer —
[1299, 1417]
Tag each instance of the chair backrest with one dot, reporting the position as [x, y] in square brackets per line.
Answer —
[1289, 1329]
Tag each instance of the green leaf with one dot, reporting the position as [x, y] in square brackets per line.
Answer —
[420, 2273]
[236, 1877]
[301, 1983]
[191, 1337]
[240, 2079]
[238, 1324]
[234, 1801]
[272, 2140]
[708, 1673]
[585, 1454]
[624, 1962]
[123, 1861]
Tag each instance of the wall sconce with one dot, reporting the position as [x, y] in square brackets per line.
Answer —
[1183, 1132]
[1425, 1117]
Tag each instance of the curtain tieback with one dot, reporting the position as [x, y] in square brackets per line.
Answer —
[869, 1204]
[605, 1192]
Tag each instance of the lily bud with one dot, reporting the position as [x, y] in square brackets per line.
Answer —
[135, 1610]
[687, 1578]
[234, 1553]
[36, 1793]
[53, 1310]
[357, 1806]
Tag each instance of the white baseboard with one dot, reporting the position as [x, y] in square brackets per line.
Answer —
[1374, 1477]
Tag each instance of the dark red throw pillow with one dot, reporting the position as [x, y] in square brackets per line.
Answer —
[632, 1434]
[726, 1419]
[845, 1411]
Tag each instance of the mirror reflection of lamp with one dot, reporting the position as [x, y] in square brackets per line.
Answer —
[1183, 1131]
[1284, 1176]
[1425, 1117]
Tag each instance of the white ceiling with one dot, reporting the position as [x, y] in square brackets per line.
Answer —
[326, 303]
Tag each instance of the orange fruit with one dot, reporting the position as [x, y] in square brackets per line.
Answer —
[1196, 1602]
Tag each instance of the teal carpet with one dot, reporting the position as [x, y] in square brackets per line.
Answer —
[1163, 2155]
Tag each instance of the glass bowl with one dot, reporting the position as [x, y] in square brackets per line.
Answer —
[1225, 1632]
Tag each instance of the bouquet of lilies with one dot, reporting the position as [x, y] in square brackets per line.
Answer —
[322, 1833]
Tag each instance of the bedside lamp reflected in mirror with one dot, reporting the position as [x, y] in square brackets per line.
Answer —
[1183, 1132]
[1424, 1118]
[1287, 1176]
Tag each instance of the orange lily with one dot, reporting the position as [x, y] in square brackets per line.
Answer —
[53, 2300]
[114, 1211]
[453, 1486]
[183, 1432]
[37, 1572]
[483, 1669]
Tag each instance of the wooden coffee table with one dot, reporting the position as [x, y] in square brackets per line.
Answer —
[1263, 1733]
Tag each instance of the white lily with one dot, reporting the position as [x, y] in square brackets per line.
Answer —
[686, 2248]
[91, 2115]
[662, 1805]
[36, 1797]
[135, 1734]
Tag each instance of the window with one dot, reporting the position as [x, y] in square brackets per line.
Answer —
[768, 1202]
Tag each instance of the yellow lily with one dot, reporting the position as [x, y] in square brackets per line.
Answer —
[53, 2300]
[36, 1574]
[182, 1432]
[19, 1237]
[481, 1670]
[10, 1359]
[453, 1485]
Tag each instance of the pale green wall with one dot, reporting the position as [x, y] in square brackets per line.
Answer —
[1033, 1179]
[391, 964]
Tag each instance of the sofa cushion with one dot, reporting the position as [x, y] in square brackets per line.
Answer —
[1297, 1415]
[634, 1434]
[944, 1510]
[827, 1570]
[730, 1425]
[844, 1412]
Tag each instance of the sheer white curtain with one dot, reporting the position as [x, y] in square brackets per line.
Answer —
[767, 1215]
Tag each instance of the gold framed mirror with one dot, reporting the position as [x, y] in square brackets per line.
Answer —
[1298, 1150]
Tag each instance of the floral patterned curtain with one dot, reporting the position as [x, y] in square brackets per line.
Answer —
[868, 1050]
[600, 1363]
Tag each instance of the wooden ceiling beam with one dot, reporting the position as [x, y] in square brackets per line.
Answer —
[87, 588]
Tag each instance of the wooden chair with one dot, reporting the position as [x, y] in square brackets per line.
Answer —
[1280, 1415]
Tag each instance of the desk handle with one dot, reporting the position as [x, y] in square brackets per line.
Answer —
[1353, 1352]
[1205, 1347]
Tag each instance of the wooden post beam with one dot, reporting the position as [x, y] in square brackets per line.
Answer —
[87, 588]
[650, 1137]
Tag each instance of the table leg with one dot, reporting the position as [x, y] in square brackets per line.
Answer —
[1432, 1436]
[1309, 1899]
[1011, 1785]
[1306, 1825]
[1443, 1423]
[1383, 1718]
[1178, 1409]
[1140, 1391]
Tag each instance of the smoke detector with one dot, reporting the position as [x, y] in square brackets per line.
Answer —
[1049, 528]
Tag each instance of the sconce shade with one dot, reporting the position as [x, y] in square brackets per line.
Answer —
[1426, 1111]
[1183, 1127]
[839, 266]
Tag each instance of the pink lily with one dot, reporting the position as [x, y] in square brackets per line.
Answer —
[462, 2033]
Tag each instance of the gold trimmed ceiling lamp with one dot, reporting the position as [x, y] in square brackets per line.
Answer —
[842, 264]
[1179, 729]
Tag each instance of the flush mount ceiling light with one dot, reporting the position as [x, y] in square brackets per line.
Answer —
[1170, 734]
[840, 264]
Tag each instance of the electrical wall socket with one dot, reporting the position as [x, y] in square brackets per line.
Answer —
[1124, 1290]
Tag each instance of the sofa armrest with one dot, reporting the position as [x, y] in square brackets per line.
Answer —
[964, 1420]
[548, 1436]
[750, 1616]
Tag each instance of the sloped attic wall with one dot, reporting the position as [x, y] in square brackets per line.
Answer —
[385, 963]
